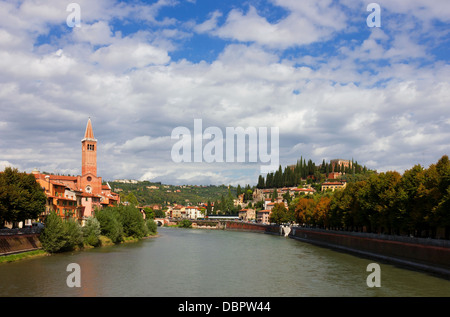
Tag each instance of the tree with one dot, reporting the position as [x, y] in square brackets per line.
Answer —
[208, 208]
[133, 223]
[73, 235]
[53, 236]
[151, 226]
[21, 197]
[274, 195]
[109, 224]
[92, 231]
[279, 214]
[149, 213]
[261, 183]
[321, 211]
[304, 211]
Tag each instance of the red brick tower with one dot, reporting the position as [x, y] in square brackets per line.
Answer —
[89, 152]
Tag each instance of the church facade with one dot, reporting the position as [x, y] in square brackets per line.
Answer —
[78, 197]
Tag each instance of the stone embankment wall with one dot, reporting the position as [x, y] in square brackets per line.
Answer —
[253, 227]
[424, 254]
[10, 244]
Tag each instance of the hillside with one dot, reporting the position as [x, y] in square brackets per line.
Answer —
[148, 193]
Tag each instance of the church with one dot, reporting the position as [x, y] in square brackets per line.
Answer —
[78, 197]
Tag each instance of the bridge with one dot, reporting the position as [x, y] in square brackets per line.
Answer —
[161, 221]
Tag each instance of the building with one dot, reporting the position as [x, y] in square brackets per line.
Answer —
[333, 185]
[263, 216]
[247, 214]
[193, 212]
[79, 196]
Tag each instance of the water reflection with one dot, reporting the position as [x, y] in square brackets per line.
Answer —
[190, 262]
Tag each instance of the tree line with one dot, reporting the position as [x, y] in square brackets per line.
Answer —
[294, 174]
[416, 203]
[117, 224]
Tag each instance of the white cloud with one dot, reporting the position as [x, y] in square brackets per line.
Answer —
[333, 105]
[307, 22]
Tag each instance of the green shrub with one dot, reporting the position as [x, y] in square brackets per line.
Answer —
[110, 224]
[92, 231]
[52, 236]
[185, 223]
[151, 226]
[132, 221]
[73, 235]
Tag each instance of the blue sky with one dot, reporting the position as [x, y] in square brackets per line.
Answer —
[335, 87]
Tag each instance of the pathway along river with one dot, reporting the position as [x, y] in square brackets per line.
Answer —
[212, 263]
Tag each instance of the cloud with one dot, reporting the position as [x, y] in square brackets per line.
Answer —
[306, 23]
[377, 95]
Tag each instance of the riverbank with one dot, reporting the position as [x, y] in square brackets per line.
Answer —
[18, 254]
[430, 255]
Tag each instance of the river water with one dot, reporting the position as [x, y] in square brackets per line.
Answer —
[212, 263]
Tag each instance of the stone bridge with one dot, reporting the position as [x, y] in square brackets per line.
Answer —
[161, 221]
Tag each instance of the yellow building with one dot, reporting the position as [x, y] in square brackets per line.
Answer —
[333, 185]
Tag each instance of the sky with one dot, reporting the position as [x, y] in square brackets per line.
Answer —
[331, 83]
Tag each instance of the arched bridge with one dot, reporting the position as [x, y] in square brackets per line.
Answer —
[161, 221]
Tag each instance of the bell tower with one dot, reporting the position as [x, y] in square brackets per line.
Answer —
[89, 152]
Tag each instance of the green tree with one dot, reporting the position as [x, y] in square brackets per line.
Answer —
[53, 237]
[73, 235]
[149, 213]
[280, 214]
[92, 231]
[274, 195]
[185, 223]
[152, 227]
[21, 197]
[110, 224]
[133, 223]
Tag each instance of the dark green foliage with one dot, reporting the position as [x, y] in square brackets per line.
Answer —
[92, 231]
[110, 224]
[73, 235]
[152, 227]
[121, 221]
[185, 223]
[293, 175]
[133, 223]
[59, 235]
[21, 197]
[53, 235]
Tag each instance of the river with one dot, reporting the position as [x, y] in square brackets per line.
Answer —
[212, 263]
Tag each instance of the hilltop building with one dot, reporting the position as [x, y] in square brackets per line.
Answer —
[77, 197]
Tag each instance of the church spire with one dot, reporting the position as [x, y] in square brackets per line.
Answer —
[89, 134]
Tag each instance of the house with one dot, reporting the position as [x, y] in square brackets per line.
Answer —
[263, 216]
[333, 186]
[178, 211]
[247, 214]
[193, 212]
